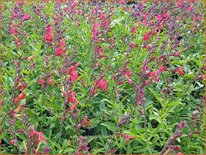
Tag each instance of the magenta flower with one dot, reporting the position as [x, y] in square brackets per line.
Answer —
[25, 17]
[59, 51]
[159, 17]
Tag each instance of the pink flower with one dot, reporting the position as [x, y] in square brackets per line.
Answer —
[25, 17]
[176, 54]
[189, 8]
[95, 31]
[159, 17]
[179, 3]
[147, 82]
[40, 137]
[156, 78]
[144, 22]
[146, 36]
[179, 70]
[18, 42]
[12, 29]
[102, 16]
[133, 45]
[148, 47]
[102, 84]
[134, 29]
[13, 141]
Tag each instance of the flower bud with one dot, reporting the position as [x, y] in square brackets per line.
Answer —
[181, 125]
[13, 141]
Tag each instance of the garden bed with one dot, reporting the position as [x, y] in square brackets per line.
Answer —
[81, 77]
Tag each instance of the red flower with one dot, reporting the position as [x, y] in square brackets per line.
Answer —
[102, 84]
[60, 50]
[126, 137]
[72, 97]
[72, 72]
[16, 100]
[21, 96]
[39, 137]
[179, 70]
[155, 74]
[146, 36]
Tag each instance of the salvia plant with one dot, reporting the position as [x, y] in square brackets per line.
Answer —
[97, 77]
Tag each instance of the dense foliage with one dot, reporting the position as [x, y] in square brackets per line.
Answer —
[102, 77]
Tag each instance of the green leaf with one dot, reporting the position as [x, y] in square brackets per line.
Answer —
[156, 95]
[110, 126]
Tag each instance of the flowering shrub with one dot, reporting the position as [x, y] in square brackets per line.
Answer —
[102, 77]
